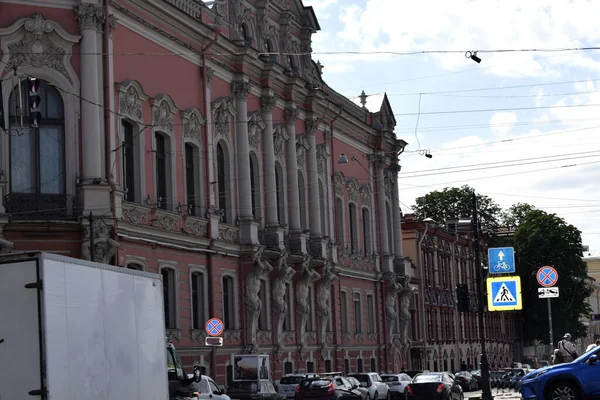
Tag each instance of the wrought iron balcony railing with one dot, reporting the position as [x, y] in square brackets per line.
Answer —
[36, 206]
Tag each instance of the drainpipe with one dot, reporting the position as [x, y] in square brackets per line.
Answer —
[457, 318]
[333, 230]
[107, 125]
[422, 273]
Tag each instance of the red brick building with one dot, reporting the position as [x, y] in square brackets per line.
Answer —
[204, 145]
[442, 338]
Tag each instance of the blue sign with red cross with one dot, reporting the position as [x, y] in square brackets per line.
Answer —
[547, 276]
[215, 327]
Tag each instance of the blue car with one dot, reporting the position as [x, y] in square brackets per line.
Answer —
[577, 380]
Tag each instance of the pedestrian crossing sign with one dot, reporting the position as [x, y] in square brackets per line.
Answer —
[504, 294]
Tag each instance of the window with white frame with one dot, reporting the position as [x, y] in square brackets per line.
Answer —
[229, 315]
[344, 310]
[169, 297]
[353, 220]
[199, 286]
[357, 313]
[192, 178]
[264, 312]
[163, 172]
[366, 231]
[129, 161]
[371, 313]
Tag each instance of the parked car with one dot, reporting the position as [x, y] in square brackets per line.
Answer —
[434, 385]
[327, 388]
[207, 388]
[477, 375]
[515, 380]
[378, 390]
[575, 380]
[495, 377]
[288, 384]
[412, 373]
[397, 383]
[363, 391]
[246, 390]
[466, 380]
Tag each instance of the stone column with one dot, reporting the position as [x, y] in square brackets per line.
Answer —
[291, 114]
[90, 19]
[313, 182]
[397, 218]
[384, 245]
[267, 103]
[248, 227]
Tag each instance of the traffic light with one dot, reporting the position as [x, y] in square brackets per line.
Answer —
[462, 297]
[35, 116]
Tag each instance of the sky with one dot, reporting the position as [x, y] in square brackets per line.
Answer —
[520, 126]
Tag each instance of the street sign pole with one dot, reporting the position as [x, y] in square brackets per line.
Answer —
[550, 322]
[213, 363]
[486, 391]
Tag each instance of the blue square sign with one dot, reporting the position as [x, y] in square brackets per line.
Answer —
[501, 260]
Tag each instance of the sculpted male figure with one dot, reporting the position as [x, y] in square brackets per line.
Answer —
[405, 296]
[309, 276]
[324, 298]
[260, 269]
[280, 307]
[390, 304]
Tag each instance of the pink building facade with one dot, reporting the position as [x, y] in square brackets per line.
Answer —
[201, 143]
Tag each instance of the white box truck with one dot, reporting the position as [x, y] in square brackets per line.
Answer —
[77, 330]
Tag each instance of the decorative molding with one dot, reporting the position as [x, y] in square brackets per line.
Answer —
[223, 115]
[311, 125]
[303, 286]
[199, 227]
[135, 214]
[228, 234]
[174, 334]
[340, 182]
[192, 121]
[255, 127]
[90, 16]
[231, 335]
[321, 159]
[199, 335]
[280, 136]
[38, 43]
[210, 72]
[291, 115]
[254, 305]
[104, 246]
[329, 277]
[264, 336]
[240, 89]
[131, 99]
[280, 304]
[267, 103]
[365, 194]
[353, 189]
[167, 220]
[163, 110]
[301, 149]
[240, 14]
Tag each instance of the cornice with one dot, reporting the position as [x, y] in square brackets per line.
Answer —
[354, 273]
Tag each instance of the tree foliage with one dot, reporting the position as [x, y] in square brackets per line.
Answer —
[543, 239]
[455, 203]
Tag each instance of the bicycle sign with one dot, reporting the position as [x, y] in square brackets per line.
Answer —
[501, 260]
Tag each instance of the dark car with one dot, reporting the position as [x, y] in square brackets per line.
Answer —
[467, 381]
[434, 385]
[253, 390]
[330, 388]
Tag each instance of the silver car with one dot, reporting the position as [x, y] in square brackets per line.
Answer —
[378, 390]
[397, 383]
[288, 384]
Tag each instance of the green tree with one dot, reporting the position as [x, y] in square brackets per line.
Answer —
[543, 239]
[515, 215]
[456, 202]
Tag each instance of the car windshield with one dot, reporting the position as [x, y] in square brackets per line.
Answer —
[587, 355]
[389, 378]
[317, 383]
[423, 378]
[361, 378]
[291, 380]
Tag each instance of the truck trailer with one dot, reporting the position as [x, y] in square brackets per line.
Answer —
[73, 330]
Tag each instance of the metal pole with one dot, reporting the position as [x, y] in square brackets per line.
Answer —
[213, 363]
[91, 220]
[550, 324]
[486, 392]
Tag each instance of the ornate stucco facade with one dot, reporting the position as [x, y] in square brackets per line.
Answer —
[442, 339]
[202, 144]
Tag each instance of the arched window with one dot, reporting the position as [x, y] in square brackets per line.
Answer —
[229, 314]
[192, 178]
[322, 208]
[255, 186]
[37, 155]
[129, 159]
[302, 195]
[280, 194]
[366, 231]
[135, 266]
[352, 218]
[199, 285]
[222, 180]
[359, 365]
[246, 35]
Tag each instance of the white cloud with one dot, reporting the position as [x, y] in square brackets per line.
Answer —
[502, 123]
[322, 7]
[403, 25]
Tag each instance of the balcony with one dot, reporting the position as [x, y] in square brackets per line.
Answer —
[193, 8]
[35, 206]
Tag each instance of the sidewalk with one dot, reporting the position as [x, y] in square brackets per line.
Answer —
[500, 394]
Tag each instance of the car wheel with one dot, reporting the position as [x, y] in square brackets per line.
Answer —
[376, 396]
[563, 391]
[389, 395]
[368, 396]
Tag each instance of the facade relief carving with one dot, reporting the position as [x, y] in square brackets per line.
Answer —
[280, 306]
[240, 89]
[240, 14]
[291, 115]
[163, 110]
[256, 126]
[353, 189]
[321, 159]
[192, 124]
[131, 99]
[254, 306]
[329, 277]
[280, 136]
[223, 114]
[38, 43]
[104, 246]
[365, 194]
[406, 296]
[311, 125]
[301, 149]
[309, 276]
[391, 300]
[340, 182]
[267, 103]
[92, 16]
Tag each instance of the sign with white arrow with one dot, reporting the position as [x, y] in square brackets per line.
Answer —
[547, 292]
[501, 260]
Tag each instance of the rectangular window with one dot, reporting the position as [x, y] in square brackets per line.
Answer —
[228, 303]
[128, 162]
[262, 318]
[353, 228]
[344, 309]
[161, 171]
[198, 316]
[366, 225]
[357, 313]
[371, 313]
[190, 178]
[169, 297]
